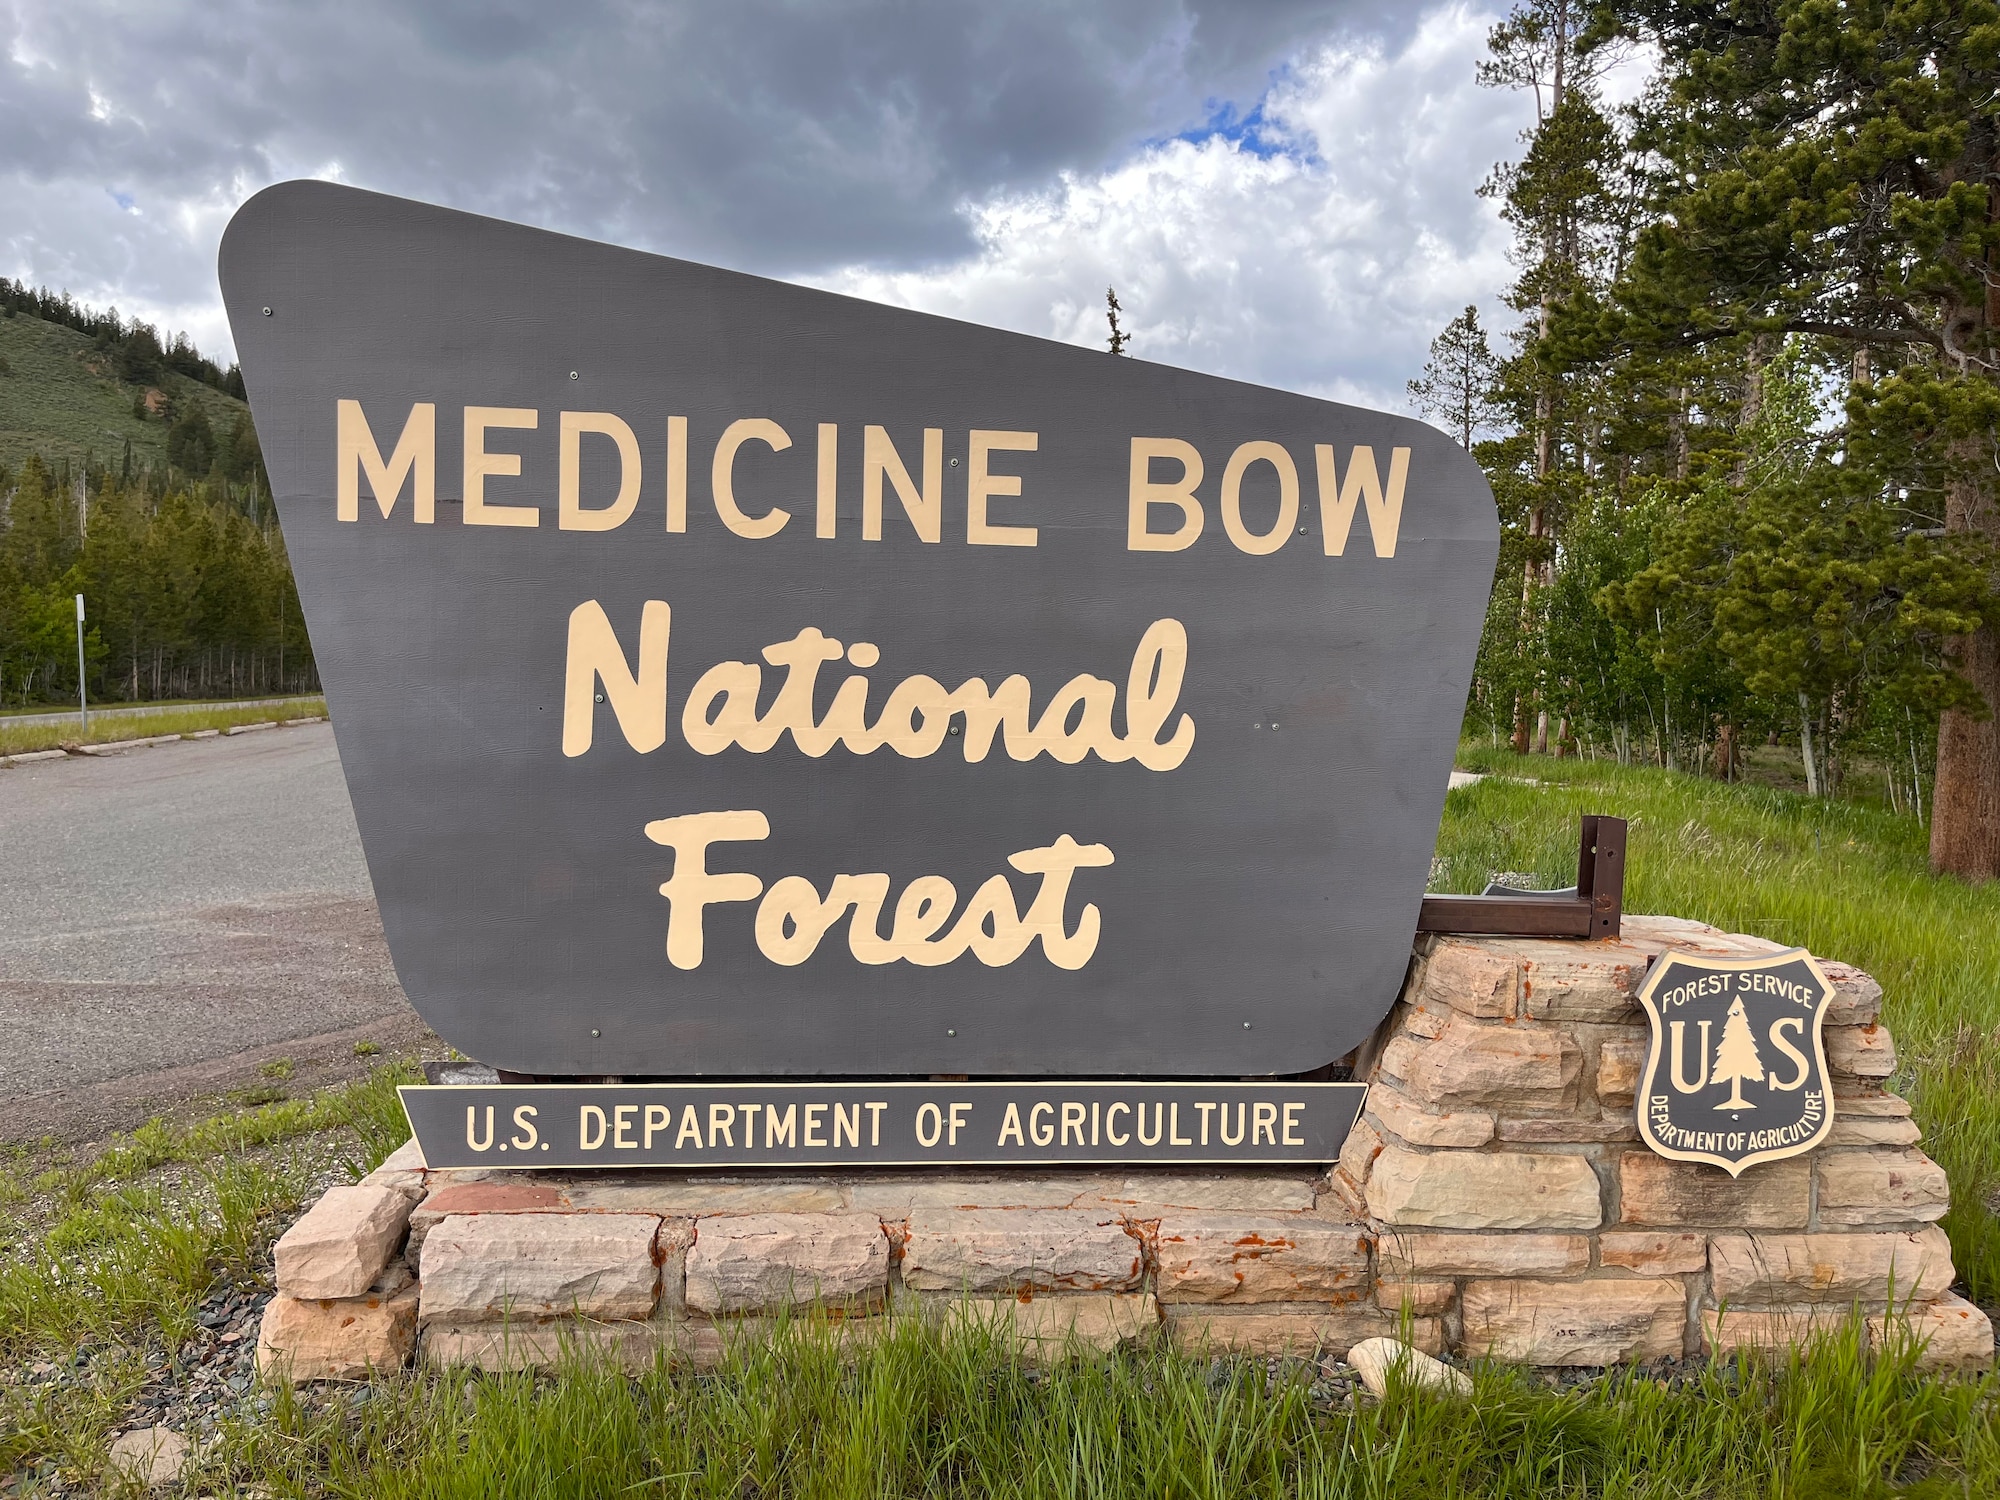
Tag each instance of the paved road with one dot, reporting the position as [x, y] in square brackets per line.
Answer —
[143, 710]
[170, 917]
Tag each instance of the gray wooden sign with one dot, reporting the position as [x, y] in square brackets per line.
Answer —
[734, 679]
[819, 1125]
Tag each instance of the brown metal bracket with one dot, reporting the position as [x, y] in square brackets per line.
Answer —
[1592, 910]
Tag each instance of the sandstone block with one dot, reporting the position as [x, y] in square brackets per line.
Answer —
[1143, 1194]
[1517, 1068]
[1299, 1330]
[1724, 1330]
[1880, 1187]
[408, 1157]
[1358, 1152]
[1842, 1268]
[1955, 1335]
[991, 1250]
[336, 1338]
[1619, 1065]
[1653, 1252]
[669, 1196]
[1047, 1327]
[342, 1243]
[765, 1262]
[1857, 998]
[1559, 1130]
[1403, 1253]
[1575, 1322]
[1470, 976]
[1425, 1299]
[1394, 1111]
[1484, 1190]
[1422, 1021]
[1857, 1100]
[1383, 1361]
[1564, 981]
[630, 1346]
[1263, 1258]
[1864, 1051]
[1773, 1195]
[1400, 1058]
[1872, 1130]
[521, 1266]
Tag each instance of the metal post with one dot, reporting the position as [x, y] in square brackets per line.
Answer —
[82, 703]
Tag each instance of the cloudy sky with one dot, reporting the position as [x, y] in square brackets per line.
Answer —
[1282, 190]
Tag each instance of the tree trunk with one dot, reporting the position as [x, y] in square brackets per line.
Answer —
[1723, 766]
[1806, 746]
[1965, 793]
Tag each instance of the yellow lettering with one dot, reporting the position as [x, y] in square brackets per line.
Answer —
[879, 461]
[677, 473]
[481, 466]
[1336, 505]
[570, 514]
[415, 459]
[981, 486]
[1143, 494]
[1245, 539]
[639, 699]
[692, 887]
[723, 482]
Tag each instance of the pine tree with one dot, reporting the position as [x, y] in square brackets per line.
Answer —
[1736, 1057]
[1119, 337]
[1456, 388]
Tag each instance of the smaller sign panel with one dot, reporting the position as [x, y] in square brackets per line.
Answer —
[1737, 1070]
[622, 1126]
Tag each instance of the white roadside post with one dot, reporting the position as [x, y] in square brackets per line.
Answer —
[82, 703]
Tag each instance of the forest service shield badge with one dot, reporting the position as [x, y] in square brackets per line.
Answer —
[1737, 1070]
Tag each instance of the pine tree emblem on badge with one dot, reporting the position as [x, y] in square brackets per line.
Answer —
[1737, 1070]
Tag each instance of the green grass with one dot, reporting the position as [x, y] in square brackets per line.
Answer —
[1845, 880]
[927, 1412]
[59, 398]
[20, 739]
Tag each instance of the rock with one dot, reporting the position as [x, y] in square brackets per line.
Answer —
[1864, 1051]
[1574, 1322]
[670, 1196]
[1379, 1361]
[1262, 1258]
[1570, 981]
[1470, 977]
[1653, 1252]
[1402, 1253]
[1359, 1150]
[630, 1346]
[991, 1250]
[1515, 1068]
[1842, 1268]
[1048, 1327]
[1140, 1193]
[1562, 1130]
[1296, 1330]
[1423, 1299]
[1231, 1191]
[767, 1262]
[1857, 998]
[408, 1157]
[1955, 1335]
[1880, 1187]
[1724, 1330]
[342, 1243]
[494, 1266]
[1854, 1100]
[1619, 1065]
[1395, 1112]
[337, 1338]
[1677, 1194]
[1484, 1190]
[152, 1456]
[1872, 1130]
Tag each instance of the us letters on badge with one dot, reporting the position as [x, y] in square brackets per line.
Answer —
[1737, 1069]
[737, 680]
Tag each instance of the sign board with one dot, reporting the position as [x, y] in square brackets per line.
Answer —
[819, 1125]
[1737, 1069]
[733, 679]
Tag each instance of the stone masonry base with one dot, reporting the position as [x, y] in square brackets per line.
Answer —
[1495, 1191]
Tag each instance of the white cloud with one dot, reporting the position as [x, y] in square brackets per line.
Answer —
[1319, 253]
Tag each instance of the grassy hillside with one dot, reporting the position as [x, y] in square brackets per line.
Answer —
[59, 397]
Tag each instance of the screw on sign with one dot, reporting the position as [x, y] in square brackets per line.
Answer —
[1737, 1073]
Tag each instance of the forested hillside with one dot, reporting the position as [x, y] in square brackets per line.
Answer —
[130, 473]
[1743, 428]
